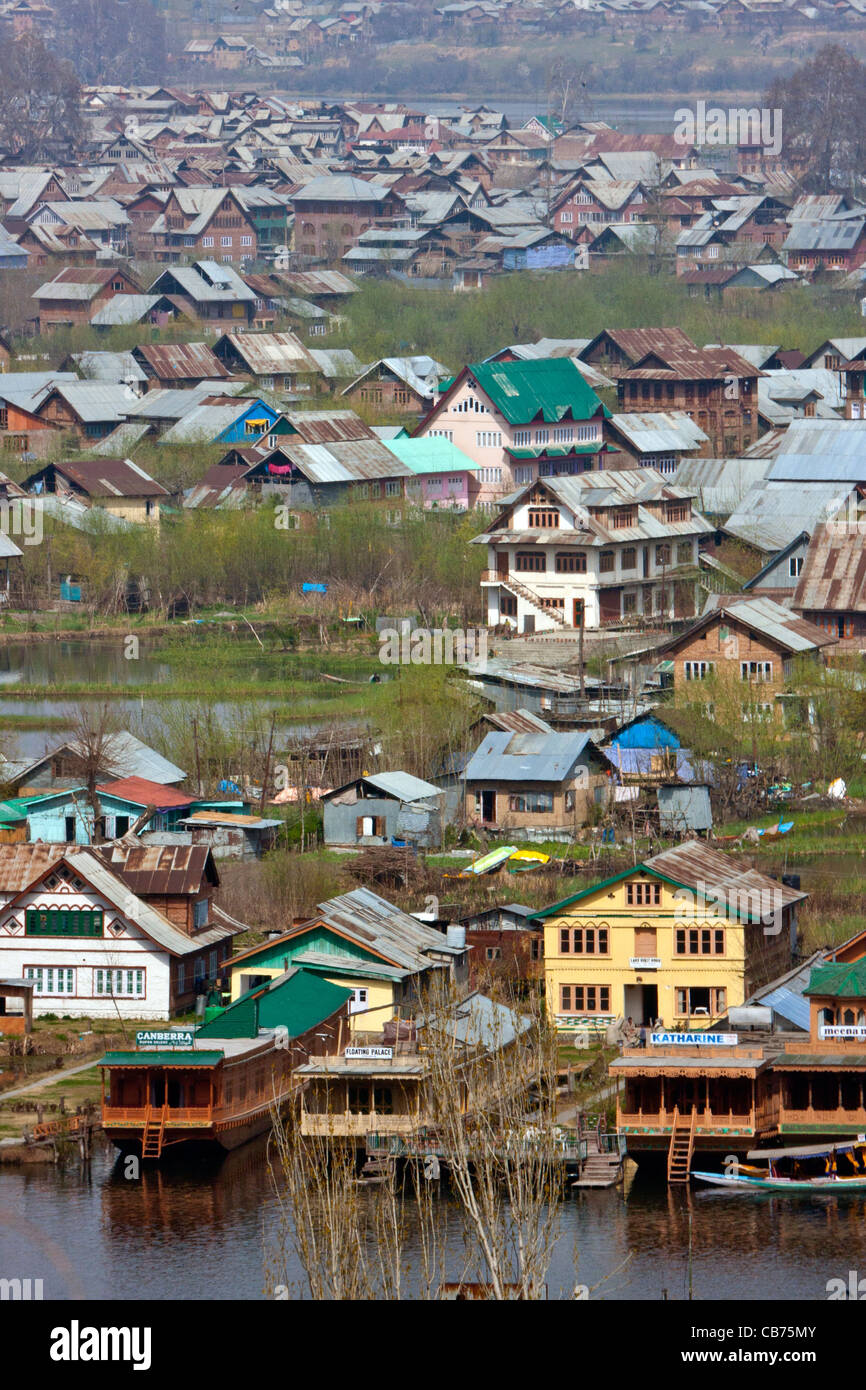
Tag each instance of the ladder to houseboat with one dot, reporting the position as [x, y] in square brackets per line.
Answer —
[153, 1134]
[682, 1145]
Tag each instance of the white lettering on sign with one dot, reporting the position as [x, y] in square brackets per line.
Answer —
[172, 1038]
[850, 1030]
[694, 1039]
[378, 1054]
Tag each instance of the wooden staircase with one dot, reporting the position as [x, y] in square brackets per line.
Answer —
[154, 1134]
[522, 591]
[378, 1167]
[682, 1145]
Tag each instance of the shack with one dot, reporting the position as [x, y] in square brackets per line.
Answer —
[383, 807]
[18, 1021]
[683, 809]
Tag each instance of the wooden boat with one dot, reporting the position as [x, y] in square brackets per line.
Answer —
[844, 1170]
[488, 862]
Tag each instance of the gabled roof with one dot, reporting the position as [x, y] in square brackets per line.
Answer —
[104, 477]
[529, 757]
[762, 615]
[846, 981]
[833, 578]
[400, 785]
[142, 792]
[549, 389]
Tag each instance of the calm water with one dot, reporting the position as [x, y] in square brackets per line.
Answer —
[199, 1231]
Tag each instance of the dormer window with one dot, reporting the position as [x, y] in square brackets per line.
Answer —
[543, 519]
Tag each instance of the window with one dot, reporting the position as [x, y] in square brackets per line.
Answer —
[207, 241]
[640, 894]
[590, 941]
[180, 977]
[795, 566]
[531, 561]
[699, 941]
[358, 1001]
[566, 217]
[756, 670]
[563, 435]
[586, 433]
[571, 562]
[442, 434]
[522, 437]
[488, 439]
[698, 670]
[624, 516]
[539, 519]
[522, 476]
[606, 562]
[66, 921]
[663, 554]
[246, 241]
[542, 436]
[628, 558]
[629, 603]
[493, 953]
[393, 489]
[684, 553]
[51, 979]
[531, 801]
[225, 241]
[126, 982]
[200, 913]
[579, 999]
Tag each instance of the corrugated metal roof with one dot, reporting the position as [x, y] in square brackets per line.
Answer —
[145, 793]
[548, 389]
[772, 513]
[762, 615]
[518, 721]
[695, 865]
[834, 572]
[158, 869]
[94, 402]
[822, 451]
[124, 309]
[110, 477]
[341, 461]
[269, 353]
[533, 757]
[181, 361]
[824, 235]
[109, 366]
[659, 431]
[431, 454]
[404, 786]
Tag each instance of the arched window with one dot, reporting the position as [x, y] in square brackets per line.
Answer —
[827, 1017]
[848, 1018]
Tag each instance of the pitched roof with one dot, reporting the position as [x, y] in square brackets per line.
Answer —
[846, 981]
[110, 478]
[527, 757]
[549, 389]
[834, 572]
[145, 793]
[763, 615]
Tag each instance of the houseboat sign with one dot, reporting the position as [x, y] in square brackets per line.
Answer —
[644, 962]
[172, 1037]
[850, 1030]
[370, 1054]
[694, 1039]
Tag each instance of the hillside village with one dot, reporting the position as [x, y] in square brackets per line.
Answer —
[504, 703]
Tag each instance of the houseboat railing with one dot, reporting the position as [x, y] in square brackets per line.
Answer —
[664, 1119]
[123, 1114]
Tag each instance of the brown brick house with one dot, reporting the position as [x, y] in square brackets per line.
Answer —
[535, 785]
[332, 212]
[716, 387]
[77, 292]
[832, 588]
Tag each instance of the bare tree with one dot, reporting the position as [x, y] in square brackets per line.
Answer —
[94, 731]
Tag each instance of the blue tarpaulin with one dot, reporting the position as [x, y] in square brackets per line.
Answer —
[314, 588]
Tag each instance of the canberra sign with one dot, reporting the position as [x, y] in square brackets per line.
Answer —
[694, 1039]
[172, 1037]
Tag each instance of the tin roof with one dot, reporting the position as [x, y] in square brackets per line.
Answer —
[763, 615]
[181, 361]
[846, 981]
[549, 389]
[821, 451]
[155, 869]
[834, 572]
[124, 309]
[431, 454]
[342, 461]
[773, 513]
[659, 431]
[267, 353]
[110, 478]
[504, 756]
[144, 793]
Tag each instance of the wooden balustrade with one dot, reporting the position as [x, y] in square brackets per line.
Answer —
[137, 1115]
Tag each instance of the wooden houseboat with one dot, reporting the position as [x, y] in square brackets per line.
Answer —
[703, 1096]
[222, 1083]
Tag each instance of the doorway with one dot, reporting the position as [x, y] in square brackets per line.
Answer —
[502, 564]
[488, 806]
[69, 829]
[578, 613]
[641, 1003]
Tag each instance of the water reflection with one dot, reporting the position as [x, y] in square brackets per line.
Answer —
[199, 1229]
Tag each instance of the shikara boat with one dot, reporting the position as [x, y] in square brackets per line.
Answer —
[775, 832]
[827, 1168]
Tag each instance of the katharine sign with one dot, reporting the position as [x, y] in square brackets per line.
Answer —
[694, 1039]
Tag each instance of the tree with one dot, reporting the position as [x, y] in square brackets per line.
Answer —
[823, 136]
[94, 733]
[39, 101]
[567, 92]
[125, 39]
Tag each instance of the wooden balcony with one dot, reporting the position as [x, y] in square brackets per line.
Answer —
[707, 1121]
[121, 1115]
[346, 1124]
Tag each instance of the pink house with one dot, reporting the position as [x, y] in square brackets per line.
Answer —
[444, 475]
[518, 421]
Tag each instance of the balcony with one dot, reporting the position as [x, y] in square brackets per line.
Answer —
[122, 1116]
[349, 1124]
[708, 1122]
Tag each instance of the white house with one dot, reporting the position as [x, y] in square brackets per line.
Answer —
[94, 948]
[593, 549]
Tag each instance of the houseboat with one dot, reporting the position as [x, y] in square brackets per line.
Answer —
[689, 1100]
[220, 1084]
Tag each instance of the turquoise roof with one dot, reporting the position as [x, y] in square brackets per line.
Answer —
[296, 1001]
[160, 1059]
[431, 454]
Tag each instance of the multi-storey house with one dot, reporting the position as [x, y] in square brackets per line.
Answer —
[520, 421]
[592, 550]
[717, 388]
[212, 223]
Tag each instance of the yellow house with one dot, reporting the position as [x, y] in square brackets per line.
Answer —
[681, 937]
[362, 942]
[117, 485]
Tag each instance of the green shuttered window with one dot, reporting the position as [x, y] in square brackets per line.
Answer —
[63, 921]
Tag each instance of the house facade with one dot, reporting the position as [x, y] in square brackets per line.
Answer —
[681, 937]
[535, 786]
[609, 547]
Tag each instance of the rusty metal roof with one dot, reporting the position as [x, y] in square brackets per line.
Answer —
[635, 343]
[161, 869]
[267, 353]
[111, 478]
[712, 873]
[325, 426]
[518, 721]
[181, 361]
[834, 572]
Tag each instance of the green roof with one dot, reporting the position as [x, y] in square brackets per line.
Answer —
[839, 981]
[548, 388]
[555, 450]
[296, 1002]
[15, 808]
[160, 1059]
[431, 454]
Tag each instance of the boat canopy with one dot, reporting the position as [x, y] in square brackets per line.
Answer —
[809, 1151]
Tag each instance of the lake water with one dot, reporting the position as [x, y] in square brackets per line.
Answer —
[199, 1231]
